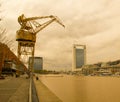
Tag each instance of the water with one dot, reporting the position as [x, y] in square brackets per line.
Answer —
[84, 89]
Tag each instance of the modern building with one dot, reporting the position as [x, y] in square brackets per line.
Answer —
[79, 56]
[38, 63]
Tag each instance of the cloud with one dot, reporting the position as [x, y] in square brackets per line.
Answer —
[91, 22]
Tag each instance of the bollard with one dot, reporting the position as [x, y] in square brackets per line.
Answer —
[37, 78]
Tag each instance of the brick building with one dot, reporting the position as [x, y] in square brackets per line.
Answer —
[7, 54]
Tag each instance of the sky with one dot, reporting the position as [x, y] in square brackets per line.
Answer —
[94, 23]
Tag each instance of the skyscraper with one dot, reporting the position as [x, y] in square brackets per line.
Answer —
[79, 56]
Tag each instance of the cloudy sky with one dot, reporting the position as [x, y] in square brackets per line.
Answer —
[95, 23]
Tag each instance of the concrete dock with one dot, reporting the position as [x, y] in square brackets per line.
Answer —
[14, 89]
[44, 94]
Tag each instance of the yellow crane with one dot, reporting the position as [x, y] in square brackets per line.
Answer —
[26, 35]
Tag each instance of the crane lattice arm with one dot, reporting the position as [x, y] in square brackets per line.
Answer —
[30, 27]
[31, 24]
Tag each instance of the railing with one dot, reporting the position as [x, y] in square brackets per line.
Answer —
[30, 91]
[33, 97]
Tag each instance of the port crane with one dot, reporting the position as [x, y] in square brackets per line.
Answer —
[26, 35]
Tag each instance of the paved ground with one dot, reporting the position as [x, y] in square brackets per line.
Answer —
[14, 89]
[44, 94]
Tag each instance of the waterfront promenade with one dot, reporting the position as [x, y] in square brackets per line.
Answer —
[44, 94]
[14, 89]
[50, 89]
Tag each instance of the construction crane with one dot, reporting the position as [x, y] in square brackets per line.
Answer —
[26, 35]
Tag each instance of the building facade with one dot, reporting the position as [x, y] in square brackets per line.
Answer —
[79, 56]
[38, 63]
[7, 55]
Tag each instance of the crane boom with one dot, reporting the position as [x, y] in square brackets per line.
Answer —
[40, 27]
[22, 18]
[27, 23]
[30, 27]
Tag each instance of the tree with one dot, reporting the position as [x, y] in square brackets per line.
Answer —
[4, 37]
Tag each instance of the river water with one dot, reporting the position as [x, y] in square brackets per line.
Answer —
[84, 88]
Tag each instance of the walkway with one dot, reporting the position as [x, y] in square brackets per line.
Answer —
[14, 89]
[44, 94]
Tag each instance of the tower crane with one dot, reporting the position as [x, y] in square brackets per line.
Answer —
[26, 35]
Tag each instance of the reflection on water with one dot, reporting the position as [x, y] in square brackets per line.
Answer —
[84, 89]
